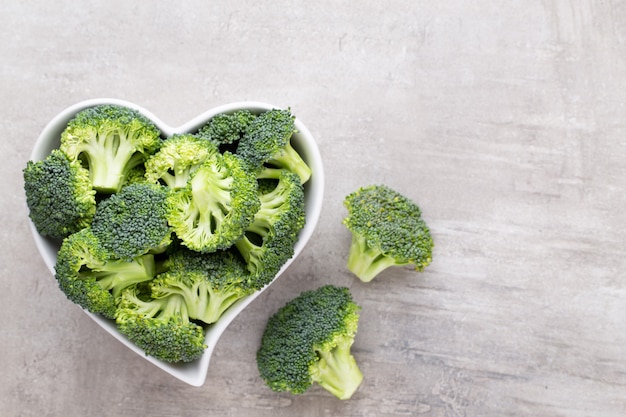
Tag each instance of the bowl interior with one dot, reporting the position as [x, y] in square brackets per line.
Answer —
[194, 373]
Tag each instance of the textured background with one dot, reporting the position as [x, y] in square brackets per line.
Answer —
[503, 120]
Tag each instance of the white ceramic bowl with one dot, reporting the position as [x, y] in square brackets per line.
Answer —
[193, 373]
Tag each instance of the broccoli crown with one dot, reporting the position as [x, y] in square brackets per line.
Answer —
[308, 341]
[177, 158]
[267, 141]
[387, 229]
[133, 221]
[159, 326]
[216, 206]
[209, 282]
[89, 277]
[59, 195]
[269, 240]
[110, 140]
[227, 128]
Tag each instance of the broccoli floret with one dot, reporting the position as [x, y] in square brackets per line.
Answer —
[159, 326]
[269, 240]
[136, 175]
[110, 140]
[308, 341]
[387, 230]
[179, 156]
[59, 195]
[216, 206]
[226, 129]
[133, 222]
[209, 282]
[267, 142]
[89, 277]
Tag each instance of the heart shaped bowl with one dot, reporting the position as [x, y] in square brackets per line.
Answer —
[193, 373]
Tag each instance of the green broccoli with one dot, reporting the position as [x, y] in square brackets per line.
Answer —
[267, 143]
[179, 156]
[110, 140]
[269, 240]
[216, 206]
[387, 230]
[91, 278]
[209, 282]
[159, 326]
[133, 222]
[308, 341]
[226, 129]
[59, 195]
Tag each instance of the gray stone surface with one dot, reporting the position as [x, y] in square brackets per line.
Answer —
[505, 121]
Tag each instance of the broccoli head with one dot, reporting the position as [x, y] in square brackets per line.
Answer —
[267, 144]
[216, 206]
[110, 140]
[209, 282]
[89, 277]
[178, 157]
[387, 230]
[159, 326]
[59, 195]
[226, 129]
[269, 240]
[309, 341]
[133, 222]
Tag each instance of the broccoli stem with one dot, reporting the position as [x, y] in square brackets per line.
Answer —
[110, 158]
[219, 302]
[366, 262]
[290, 159]
[115, 275]
[337, 370]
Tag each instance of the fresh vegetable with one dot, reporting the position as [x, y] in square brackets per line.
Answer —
[309, 340]
[151, 229]
[266, 144]
[159, 325]
[59, 195]
[110, 141]
[387, 230]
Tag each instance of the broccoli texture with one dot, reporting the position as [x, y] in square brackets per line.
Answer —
[269, 240]
[209, 283]
[179, 156]
[110, 140]
[267, 144]
[133, 221]
[159, 326]
[59, 195]
[216, 206]
[162, 234]
[91, 278]
[227, 128]
[309, 341]
[387, 230]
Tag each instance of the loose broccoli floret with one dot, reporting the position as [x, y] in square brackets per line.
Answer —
[387, 230]
[269, 240]
[133, 222]
[227, 128]
[209, 282]
[110, 140]
[59, 195]
[308, 341]
[267, 142]
[89, 277]
[216, 206]
[177, 159]
[159, 326]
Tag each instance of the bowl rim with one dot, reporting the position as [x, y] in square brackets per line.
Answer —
[193, 373]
